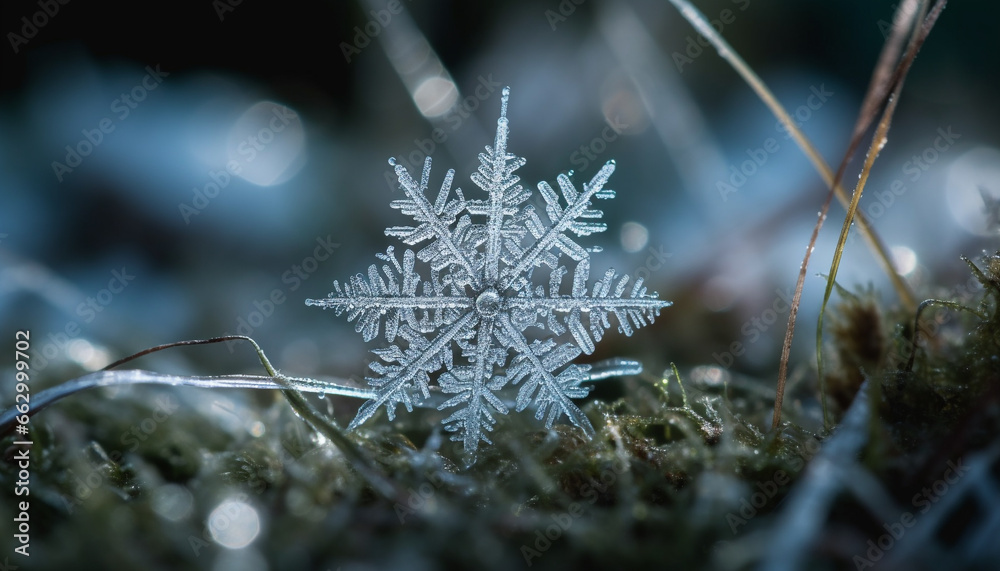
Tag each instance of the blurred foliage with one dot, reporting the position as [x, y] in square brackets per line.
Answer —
[678, 470]
[140, 478]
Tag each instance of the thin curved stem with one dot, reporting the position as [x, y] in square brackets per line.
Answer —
[916, 322]
[726, 52]
[106, 378]
[44, 399]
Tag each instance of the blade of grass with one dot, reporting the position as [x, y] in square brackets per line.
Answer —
[43, 399]
[290, 387]
[883, 78]
[878, 91]
[886, 70]
[726, 52]
[329, 428]
[917, 329]
[879, 140]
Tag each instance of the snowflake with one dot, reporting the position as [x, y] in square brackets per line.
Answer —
[481, 298]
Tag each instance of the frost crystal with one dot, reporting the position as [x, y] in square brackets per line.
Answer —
[480, 297]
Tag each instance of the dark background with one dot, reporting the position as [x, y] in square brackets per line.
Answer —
[199, 278]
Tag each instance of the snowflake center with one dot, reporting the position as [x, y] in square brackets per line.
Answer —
[488, 303]
[480, 299]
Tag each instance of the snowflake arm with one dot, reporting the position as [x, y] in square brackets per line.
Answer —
[566, 311]
[480, 300]
[409, 371]
[496, 177]
[394, 298]
[562, 219]
[472, 422]
[435, 221]
[548, 391]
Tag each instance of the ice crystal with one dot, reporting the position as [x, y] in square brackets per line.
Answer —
[480, 297]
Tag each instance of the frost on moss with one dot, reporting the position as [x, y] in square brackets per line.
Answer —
[679, 468]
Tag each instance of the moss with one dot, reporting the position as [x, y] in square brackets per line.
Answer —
[674, 462]
[858, 331]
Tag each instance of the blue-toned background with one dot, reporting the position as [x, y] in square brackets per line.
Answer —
[184, 170]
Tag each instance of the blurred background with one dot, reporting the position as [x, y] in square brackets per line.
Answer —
[185, 170]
